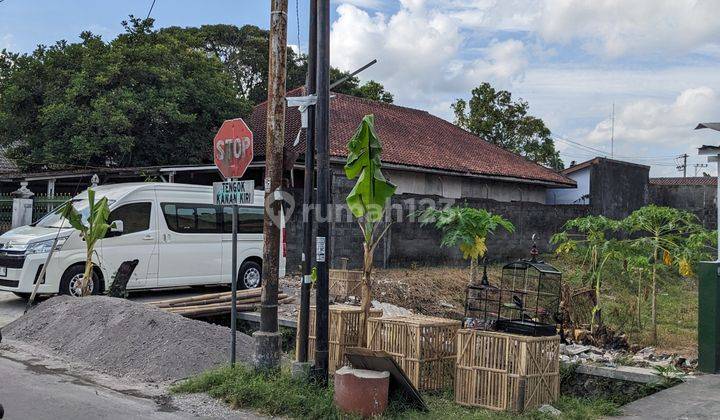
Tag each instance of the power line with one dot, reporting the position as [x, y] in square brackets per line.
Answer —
[151, 9]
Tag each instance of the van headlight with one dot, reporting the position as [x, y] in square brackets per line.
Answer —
[43, 247]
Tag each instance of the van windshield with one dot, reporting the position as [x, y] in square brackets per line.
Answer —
[55, 220]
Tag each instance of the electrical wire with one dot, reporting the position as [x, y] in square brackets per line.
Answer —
[151, 9]
[297, 18]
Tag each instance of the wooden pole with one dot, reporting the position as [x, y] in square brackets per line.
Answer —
[267, 340]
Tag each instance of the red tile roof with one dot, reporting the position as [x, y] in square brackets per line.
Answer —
[690, 180]
[410, 137]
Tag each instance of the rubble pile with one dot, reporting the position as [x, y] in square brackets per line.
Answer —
[645, 357]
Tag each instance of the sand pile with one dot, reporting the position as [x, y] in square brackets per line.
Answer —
[124, 338]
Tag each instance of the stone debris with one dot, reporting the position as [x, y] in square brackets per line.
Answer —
[645, 357]
[550, 410]
[391, 310]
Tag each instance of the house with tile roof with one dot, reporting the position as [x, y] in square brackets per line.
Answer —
[422, 154]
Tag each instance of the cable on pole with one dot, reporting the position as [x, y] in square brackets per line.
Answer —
[150, 11]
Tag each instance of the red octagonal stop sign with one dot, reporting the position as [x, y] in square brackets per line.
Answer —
[233, 148]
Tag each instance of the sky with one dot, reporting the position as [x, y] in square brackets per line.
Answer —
[655, 61]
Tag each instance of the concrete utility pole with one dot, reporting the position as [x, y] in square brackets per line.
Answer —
[322, 242]
[303, 324]
[683, 167]
[268, 339]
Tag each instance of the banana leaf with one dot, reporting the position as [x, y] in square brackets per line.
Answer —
[371, 192]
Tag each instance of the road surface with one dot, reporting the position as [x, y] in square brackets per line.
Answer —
[31, 391]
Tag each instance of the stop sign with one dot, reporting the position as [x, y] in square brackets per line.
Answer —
[233, 148]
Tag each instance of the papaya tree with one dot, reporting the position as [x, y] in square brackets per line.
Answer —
[367, 200]
[669, 237]
[467, 228]
[587, 238]
[95, 229]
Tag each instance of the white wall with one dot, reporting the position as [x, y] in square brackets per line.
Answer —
[579, 195]
[457, 187]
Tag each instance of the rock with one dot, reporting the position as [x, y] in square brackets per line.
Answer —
[574, 349]
[550, 410]
[391, 310]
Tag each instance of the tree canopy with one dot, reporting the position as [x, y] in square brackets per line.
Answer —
[148, 97]
[142, 99]
[494, 116]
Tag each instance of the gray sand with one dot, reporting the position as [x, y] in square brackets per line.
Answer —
[123, 338]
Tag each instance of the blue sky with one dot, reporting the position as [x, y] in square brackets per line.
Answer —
[656, 60]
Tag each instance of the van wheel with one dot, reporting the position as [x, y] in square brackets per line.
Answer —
[250, 275]
[71, 281]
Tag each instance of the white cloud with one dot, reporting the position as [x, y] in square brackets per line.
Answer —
[6, 42]
[617, 27]
[366, 4]
[419, 51]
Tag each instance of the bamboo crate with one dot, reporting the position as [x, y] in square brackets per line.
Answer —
[502, 371]
[343, 332]
[424, 347]
[345, 283]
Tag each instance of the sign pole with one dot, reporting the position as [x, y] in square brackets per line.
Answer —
[233, 309]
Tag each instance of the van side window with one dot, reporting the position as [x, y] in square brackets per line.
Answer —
[135, 217]
[250, 219]
[191, 218]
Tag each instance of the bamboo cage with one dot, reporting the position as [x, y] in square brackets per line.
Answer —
[506, 372]
[343, 332]
[344, 283]
[423, 346]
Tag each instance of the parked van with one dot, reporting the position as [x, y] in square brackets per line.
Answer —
[174, 230]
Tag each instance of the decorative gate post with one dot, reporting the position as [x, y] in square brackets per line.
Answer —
[22, 206]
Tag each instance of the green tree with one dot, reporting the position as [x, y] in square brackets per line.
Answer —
[369, 90]
[668, 237]
[493, 116]
[142, 99]
[467, 228]
[367, 200]
[91, 230]
[587, 238]
[244, 54]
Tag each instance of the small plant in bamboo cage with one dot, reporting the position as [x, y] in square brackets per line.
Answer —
[587, 237]
[467, 228]
[95, 229]
[367, 200]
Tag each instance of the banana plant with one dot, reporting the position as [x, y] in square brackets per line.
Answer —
[95, 229]
[467, 228]
[367, 200]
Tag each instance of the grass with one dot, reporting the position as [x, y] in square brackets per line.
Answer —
[280, 395]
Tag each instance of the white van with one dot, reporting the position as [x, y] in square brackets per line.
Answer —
[179, 237]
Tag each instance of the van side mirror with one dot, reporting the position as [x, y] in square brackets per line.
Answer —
[116, 228]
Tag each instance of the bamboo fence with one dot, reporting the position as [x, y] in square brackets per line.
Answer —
[424, 347]
[345, 283]
[344, 331]
[510, 372]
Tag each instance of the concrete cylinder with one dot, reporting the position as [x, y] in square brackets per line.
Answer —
[361, 392]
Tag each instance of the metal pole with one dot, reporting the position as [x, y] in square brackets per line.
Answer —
[303, 324]
[322, 120]
[233, 309]
[717, 207]
[267, 340]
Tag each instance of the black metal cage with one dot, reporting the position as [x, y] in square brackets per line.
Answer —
[530, 301]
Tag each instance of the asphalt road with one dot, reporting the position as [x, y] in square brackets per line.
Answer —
[30, 391]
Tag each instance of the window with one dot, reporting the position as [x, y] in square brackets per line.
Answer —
[191, 218]
[250, 219]
[135, 217]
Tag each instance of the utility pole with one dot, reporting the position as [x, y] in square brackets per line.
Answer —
[698, 166]
[683, 167]
[311, 82]
[268, 339]
[322, 121]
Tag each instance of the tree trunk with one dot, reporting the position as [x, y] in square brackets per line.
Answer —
[653, 331]
[473, 272]
[639, 296]
[85, 290]
[366, 289]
